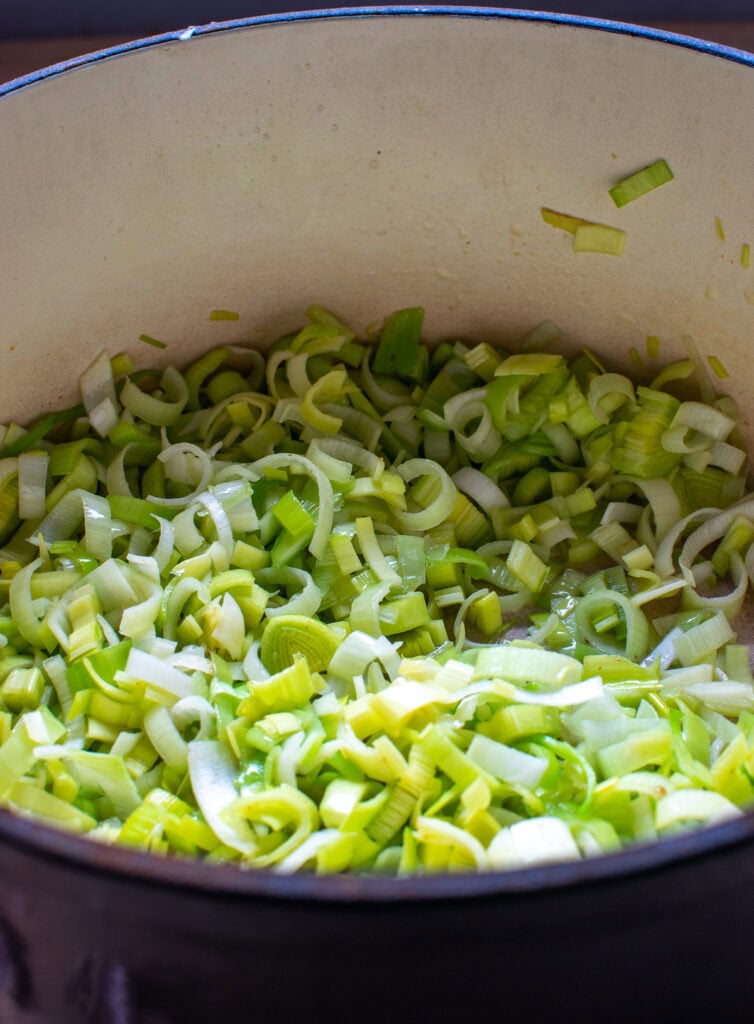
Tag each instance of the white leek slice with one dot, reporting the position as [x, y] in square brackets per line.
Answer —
[318, 543]
[694, 805]
[507, 763]
[195, 711]
[32, 483]
[227, 628]
[105, 772]
[213, 773]
[166, 543]
[439, 509]
[527, 665]
[727, 697]
[20, 751]
[694, 425]
[98, 392]
[396, 704]
[454, 675]
[157, 411]
[177, 458]
[306, 602]
[33, 630]
[469, 407]
[332, 385]
[566, 697]
[66, 517]
[532, 842]
[219, 518]
[336, 470]
[486, 494]
[248, 399]
[637, 627]
[312, 849]
[713, 529]
[285, 806]
[165, 738]
[386, 395]
[365, 609]
[171, 683]
[732, 602]
[664, 554]
[104, 416]
[611, 390]
[663, 500]
[703, 640]
[137, 620]
[443, 833]
[357, 652]
[372, 553]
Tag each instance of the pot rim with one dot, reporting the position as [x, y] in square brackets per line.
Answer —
[217, 880]
[113, 863]
[379, 12]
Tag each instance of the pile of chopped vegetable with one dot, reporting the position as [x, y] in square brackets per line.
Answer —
[362, 606]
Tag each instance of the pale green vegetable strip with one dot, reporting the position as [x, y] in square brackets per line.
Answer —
[599, 238]
[212, 771]
[537, 841]
[643, 181]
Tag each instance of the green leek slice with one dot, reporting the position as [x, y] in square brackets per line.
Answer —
[641, 182]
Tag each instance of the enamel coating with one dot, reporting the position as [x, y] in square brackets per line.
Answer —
[367, 160]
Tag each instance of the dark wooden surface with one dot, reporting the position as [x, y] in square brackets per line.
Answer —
[20, 56]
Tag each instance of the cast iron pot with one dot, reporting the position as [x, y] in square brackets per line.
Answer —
[369, 160]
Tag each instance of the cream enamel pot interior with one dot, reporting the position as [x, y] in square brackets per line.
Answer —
[369, 160]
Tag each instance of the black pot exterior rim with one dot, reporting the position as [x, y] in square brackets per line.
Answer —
[229, 880]
[45, 843]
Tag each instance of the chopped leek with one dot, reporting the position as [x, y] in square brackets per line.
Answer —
[223, 314]
[154, 342]
[399, 349]
[564, 221]
[587, 235]
[274, 611]
[638, 184]
[599, 238]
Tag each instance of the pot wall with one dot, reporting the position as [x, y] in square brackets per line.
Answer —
[368, 164]
[87, 947]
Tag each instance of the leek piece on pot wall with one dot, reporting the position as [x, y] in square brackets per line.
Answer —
[599, 238]
[643, 181]
[587, 235]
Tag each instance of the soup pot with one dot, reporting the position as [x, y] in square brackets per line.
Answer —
[368, 160]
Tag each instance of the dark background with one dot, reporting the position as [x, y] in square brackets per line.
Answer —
[20, 18]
